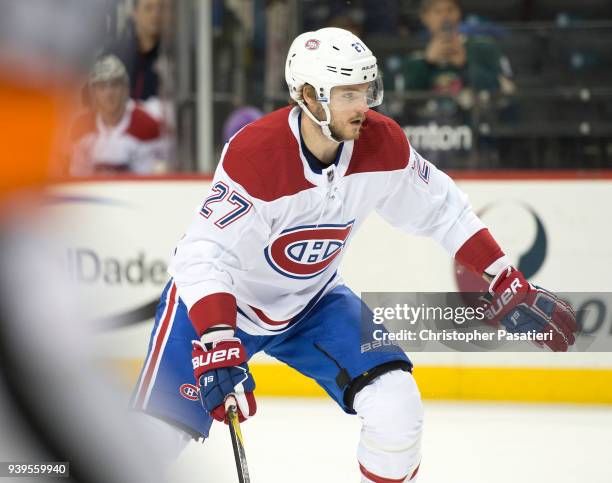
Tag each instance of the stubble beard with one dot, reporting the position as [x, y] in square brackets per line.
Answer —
[339, 132]
[346, 132]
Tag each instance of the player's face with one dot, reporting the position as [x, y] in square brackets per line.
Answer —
[110, 96]
[348, 106]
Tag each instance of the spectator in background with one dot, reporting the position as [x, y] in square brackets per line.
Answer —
[455, 63]
[115, 135]
[453, 60]
[138, 48]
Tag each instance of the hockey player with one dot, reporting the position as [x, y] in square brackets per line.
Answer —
[258, 268]
[116, 135]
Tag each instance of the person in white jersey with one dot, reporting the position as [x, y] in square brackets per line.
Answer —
[258, 269]
[116, 135]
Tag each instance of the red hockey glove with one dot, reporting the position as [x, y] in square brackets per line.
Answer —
[220, 369]
[522, 307]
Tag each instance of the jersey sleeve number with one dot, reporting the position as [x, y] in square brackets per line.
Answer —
[241, 206]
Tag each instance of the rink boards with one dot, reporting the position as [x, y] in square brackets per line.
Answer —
[117, 236]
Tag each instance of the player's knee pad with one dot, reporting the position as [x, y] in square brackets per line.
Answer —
[391, 412]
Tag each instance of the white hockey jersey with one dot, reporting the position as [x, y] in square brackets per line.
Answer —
[135, 144]
[274, 229]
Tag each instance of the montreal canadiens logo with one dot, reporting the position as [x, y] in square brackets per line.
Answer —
[312, 44]
[307, 251]
[189, 391]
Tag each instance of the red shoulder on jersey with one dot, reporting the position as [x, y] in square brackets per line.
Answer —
[264, 158]
[143, 126]
[382, 146]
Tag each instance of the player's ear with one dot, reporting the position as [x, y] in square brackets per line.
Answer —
[309, 96]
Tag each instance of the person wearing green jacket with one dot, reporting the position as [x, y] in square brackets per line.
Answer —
[451, 60]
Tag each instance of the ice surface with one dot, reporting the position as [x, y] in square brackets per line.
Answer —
[311, 440]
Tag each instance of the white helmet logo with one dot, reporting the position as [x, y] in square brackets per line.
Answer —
[312, 44]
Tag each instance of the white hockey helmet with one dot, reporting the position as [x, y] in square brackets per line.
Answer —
[328, 58]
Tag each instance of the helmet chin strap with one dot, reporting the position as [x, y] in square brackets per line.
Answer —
[323, 124]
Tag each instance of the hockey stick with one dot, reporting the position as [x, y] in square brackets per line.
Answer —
[231, 411]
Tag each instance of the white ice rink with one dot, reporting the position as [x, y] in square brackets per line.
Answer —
[311, 440]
